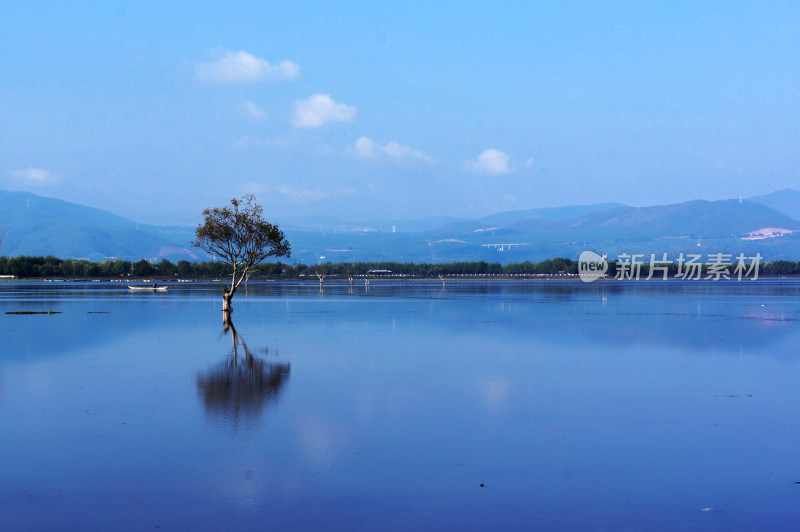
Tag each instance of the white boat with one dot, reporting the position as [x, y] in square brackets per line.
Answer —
[144, 287]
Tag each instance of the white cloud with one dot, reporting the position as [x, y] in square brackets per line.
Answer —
[241, 67]
[254, 111]
[367, 149]
[491, 162]
[398, 151]
[321, 109]
[34, 176]
[529, 162]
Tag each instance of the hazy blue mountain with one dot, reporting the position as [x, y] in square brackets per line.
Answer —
[320, 223]
[698, 218]
[693, 227]
[786, 201]
[35, 225]
[501, 223]
[550, 213]
[40, 226]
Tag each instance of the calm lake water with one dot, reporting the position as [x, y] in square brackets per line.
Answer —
[483, 406]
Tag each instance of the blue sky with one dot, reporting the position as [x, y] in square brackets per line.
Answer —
[359, 110]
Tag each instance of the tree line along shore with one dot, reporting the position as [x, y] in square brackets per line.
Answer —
[25, 267]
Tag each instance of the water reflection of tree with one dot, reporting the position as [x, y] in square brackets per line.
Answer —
[241, 387]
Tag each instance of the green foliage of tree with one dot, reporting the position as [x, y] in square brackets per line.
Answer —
[165, 268]
[142, 268]
[781, 267]
[91, 269]
[184, 268]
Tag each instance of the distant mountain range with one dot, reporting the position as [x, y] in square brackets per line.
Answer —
[35, 225]
[768, 224]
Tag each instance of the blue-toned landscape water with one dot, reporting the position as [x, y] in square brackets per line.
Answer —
[480, 406]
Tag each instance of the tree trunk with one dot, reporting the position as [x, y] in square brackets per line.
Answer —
[226, 302]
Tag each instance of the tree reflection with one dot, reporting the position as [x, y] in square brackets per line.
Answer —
[241, 387]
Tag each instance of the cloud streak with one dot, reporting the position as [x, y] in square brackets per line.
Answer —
[366, 148]
[254, 111]
[34, 176]
[319, 110]
[312, 195]
[241, 67]
[297, 195]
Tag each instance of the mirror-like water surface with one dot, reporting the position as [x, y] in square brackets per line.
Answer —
[481, 406]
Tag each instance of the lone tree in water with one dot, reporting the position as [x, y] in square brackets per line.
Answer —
[241, 237]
